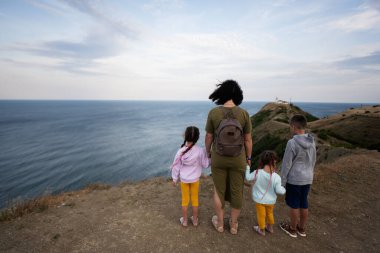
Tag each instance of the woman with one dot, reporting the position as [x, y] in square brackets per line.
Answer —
[228, 169]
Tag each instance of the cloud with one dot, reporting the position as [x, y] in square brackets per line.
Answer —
[92, 47]
[369, 19]
[48, 7]
[107, 37]
[97, 10]
[83, 67]
[368, 63]
[160, 7]
[375, 4]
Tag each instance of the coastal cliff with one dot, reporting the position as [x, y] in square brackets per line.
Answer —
[144, 216]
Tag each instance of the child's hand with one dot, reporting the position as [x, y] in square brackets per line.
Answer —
[174, 183]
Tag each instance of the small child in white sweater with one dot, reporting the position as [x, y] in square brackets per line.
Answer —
[267, 184]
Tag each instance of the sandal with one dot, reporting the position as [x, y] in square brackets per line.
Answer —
[234, 230]
[195, 222]
[268, 229]
[214, 221]
[183, 222]
[259, 231]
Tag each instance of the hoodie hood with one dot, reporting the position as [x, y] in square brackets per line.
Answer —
[191, 156]
[306, 141]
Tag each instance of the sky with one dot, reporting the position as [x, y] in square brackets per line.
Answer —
[310, 51]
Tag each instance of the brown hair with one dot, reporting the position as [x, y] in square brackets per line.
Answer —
[298, 121]
[191, 135]
[268, 157]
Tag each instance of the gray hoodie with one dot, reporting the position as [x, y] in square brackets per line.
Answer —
[299, 160]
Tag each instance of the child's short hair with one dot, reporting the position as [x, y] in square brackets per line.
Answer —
[268, 157]
[298, 121]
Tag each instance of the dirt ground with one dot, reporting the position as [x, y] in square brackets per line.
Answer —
[144, 217]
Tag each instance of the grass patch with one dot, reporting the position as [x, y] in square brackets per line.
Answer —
[268, 142]
[97, 187]
[260, 117]
[18, 208]
[286, 121]
[323, 134]
[375, 146]
[335, 140]
[339, 141]
[342, 145]
[309, 117]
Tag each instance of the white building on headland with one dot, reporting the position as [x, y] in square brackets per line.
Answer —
[278, 101]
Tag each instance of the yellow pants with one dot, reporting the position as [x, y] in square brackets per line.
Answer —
[264, 212]
[190, 190]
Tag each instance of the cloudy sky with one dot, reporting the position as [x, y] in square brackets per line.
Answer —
[323, 51]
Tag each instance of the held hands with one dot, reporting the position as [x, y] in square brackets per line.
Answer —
[174, 184]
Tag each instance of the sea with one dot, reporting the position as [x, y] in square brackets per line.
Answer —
[49, 147]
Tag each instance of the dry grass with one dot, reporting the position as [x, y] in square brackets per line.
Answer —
[97, 187]
[18, 208]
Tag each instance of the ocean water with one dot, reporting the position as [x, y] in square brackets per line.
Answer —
[55, 146]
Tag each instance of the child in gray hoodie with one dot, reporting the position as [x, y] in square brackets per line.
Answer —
[297, 175]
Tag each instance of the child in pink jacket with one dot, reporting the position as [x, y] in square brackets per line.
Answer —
[187, 167]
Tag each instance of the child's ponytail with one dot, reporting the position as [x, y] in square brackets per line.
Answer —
[270, 158]
[191, 135]
[183, 144]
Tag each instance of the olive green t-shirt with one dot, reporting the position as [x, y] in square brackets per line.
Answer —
[216, 115]
[214, 118]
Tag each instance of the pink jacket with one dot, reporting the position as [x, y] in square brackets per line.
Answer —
[189, 166]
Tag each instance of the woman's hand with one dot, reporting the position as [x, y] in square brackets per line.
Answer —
[174, 183]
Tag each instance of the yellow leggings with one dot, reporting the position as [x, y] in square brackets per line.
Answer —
[190, 190]
[264, 212]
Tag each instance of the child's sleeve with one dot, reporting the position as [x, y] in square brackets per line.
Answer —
[175, 166]
[204, 160]
[314, 155]
[278, 188]
[287, 162]
[248, 175]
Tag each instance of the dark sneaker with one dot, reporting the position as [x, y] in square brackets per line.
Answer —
[301, 232]
[286, 228]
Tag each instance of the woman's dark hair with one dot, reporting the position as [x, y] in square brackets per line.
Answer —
[268, 157]
[225, 91]
[191, 135]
